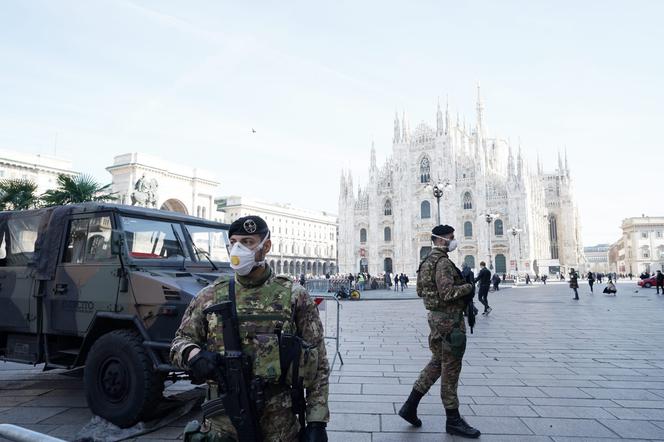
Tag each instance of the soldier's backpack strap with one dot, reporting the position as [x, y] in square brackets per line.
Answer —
[433, 274]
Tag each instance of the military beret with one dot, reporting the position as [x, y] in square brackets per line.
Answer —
[442, 230]
[248, 225]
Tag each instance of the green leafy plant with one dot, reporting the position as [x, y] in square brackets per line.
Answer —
[77, 189]
[18, 194]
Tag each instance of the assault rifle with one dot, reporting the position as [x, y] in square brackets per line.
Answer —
[241, 397]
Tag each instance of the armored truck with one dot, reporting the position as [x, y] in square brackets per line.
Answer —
[104, 287]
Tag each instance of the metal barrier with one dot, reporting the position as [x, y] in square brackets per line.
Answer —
[20, 434]
[332, 297]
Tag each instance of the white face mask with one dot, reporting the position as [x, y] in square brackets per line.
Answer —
[243, 259]
[451, 243]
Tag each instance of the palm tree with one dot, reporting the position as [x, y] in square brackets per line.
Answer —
[77, 189]
[18, 194]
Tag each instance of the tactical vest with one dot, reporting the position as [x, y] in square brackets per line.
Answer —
[265, 317]
[426, 280]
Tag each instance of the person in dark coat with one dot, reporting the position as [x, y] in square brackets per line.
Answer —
[484, 280]
[659, 281]
[591, 281]
[496, 281]
[574, 283]
[396, 282]
[544, 279]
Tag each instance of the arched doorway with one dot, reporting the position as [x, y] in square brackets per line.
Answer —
[174, 205]
[469, 260]
[501, 264]
[292, 268]
[297, 268]
[279, 267]
[387, 265]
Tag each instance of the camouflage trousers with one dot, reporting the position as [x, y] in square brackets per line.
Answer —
[277, 423]
[446, 357]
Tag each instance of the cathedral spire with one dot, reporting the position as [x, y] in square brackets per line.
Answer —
[404, 128]
[447, 114]
[373, 156]
[560, 163]
[480, 112]
[519, 163]
[510, 162]
[440, 128]
[397, 130]
[539, 164]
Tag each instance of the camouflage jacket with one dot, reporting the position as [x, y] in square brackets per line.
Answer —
[200, 331]
[440, 284]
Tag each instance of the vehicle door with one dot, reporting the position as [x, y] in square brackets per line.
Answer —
[86, 279]
[17, 284]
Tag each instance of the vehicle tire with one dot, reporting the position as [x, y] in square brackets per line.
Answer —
[121, 385]
[647, 285]
[355, 294]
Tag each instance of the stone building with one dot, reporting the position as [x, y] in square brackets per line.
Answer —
[597, 258]
[303, 241]
[149, 181]
[385, 224]
[43, 170]
[641, 247]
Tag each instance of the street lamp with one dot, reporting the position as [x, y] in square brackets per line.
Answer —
[489, 217]
[438, 189]
[515, 232]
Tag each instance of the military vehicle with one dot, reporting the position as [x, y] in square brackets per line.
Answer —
[104, 287]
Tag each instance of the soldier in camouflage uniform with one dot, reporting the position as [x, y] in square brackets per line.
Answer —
[275, 302]
[445, 294]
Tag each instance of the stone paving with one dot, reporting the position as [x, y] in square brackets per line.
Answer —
[541, 367]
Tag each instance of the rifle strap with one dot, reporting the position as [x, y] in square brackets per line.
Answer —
[231, 295]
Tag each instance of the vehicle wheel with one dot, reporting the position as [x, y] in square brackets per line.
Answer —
[120, 383]
[647, 285]
[355, 294]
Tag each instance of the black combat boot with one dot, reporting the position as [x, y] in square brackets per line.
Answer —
[409, 409]
[456, 425]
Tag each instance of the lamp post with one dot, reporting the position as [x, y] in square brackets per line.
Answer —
[489, 217]
[438, 189]
[515, 232]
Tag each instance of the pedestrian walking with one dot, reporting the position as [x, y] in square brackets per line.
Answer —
[574, 283]
[527, 278]
[402, 281]
[591, 281]
[544, 277]
[361, 281]
[256, 292]
[496, 282]
[445, 295]
[659, 281]
[484, 280]
[396, 282]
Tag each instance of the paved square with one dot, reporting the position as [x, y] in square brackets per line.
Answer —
[541, 367]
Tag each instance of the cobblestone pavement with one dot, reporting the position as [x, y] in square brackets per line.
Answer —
[540, 367]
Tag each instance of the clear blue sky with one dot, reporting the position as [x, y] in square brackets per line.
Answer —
[319, 80]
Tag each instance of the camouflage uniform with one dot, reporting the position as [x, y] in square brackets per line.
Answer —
[281, 302]
[440, 284]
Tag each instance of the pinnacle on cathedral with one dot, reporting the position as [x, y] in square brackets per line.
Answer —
[486, 175]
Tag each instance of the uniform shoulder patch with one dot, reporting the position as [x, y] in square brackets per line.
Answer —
[283, 280]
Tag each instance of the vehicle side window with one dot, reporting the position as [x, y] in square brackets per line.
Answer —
[22, 237]
[89, 240]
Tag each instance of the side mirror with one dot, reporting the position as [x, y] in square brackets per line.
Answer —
[117, 240]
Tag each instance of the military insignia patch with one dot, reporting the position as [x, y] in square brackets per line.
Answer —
[250, 226]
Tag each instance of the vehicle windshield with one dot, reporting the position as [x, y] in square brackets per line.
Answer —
[211, 241]
[151, 239]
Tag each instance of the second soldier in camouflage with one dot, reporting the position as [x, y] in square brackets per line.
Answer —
[445, 294]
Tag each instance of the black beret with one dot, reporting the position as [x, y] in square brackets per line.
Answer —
[248, 225]
[442, 230]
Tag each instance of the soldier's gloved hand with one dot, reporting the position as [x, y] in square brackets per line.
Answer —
[315, 432]
[203, 366]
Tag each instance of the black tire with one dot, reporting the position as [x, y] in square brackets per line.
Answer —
[120, 383]
[647, 285]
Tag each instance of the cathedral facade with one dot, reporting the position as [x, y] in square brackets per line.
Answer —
[516, 219]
